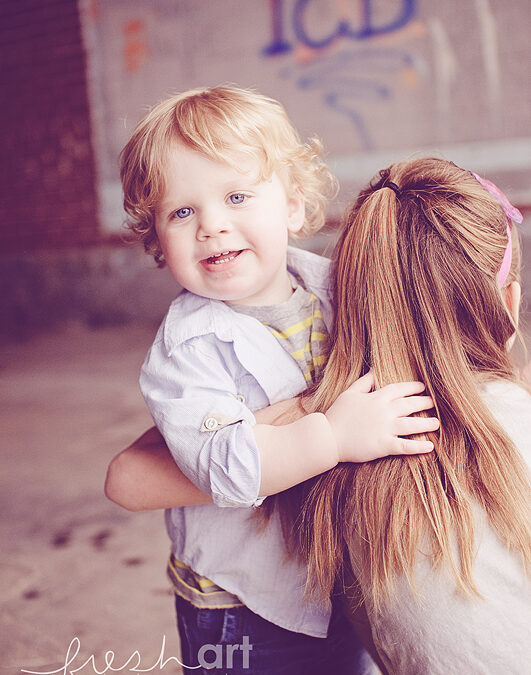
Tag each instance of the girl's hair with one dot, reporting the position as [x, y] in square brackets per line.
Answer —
[416, 298]
[225, 123]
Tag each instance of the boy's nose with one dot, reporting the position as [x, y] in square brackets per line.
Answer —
[211, 224]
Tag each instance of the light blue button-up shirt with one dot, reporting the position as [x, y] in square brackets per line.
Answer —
[207, 370]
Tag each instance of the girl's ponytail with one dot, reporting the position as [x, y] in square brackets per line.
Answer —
[417, 297]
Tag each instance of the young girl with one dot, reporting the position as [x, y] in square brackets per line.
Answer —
[433, 548]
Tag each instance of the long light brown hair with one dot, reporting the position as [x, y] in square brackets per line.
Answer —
[416, 298]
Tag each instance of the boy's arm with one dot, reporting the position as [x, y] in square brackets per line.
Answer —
[360, 426]
[145, 476]
[201, 396]
[202, 401]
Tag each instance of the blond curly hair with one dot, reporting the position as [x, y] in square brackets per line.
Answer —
[223, 123]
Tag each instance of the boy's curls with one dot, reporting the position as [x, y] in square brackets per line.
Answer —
[225, 123]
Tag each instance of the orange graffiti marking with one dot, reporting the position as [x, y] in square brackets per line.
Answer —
[409, 77]
[304, 55]
[136, 50]
[93, 10]
[413, 30]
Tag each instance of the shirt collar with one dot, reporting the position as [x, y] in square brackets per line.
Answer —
[191, 315]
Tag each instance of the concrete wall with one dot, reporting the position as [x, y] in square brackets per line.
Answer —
[377, 80]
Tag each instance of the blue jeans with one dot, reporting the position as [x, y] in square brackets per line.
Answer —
[238, 642]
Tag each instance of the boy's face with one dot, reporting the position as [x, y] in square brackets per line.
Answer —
[223, 234]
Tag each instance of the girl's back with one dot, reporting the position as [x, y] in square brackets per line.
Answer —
[427, 288]
[441, 630]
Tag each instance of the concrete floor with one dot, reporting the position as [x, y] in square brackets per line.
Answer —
[72, 563]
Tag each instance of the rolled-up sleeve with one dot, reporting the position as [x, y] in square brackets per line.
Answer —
[195, 403]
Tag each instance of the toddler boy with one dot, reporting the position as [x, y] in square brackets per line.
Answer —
[215, 181]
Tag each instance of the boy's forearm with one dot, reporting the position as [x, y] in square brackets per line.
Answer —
[293, 453]
[145, 476]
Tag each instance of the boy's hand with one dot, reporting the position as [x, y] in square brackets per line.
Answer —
[370, 424]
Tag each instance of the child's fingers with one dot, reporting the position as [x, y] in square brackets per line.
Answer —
[405, 426]
[412, 404]
[364, 384]
[408, 446]
[399, 389]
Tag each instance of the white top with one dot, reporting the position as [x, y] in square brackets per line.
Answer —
[447, 633]
[207, 370]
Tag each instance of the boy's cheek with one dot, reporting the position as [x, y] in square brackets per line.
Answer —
[166, 243]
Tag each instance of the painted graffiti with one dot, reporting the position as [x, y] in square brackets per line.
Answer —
[344, 63]
[344, 29]
[135, 47]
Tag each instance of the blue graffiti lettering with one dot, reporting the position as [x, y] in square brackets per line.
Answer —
[343, 29]
[347, 105]
[351, 79]
[368, 29]
[280, 44]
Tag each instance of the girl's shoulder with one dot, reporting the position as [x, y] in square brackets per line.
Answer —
[506, 390]
[510, 404]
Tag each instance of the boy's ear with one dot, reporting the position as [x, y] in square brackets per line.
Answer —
[296, 210]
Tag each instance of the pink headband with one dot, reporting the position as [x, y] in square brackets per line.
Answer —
[512, 213]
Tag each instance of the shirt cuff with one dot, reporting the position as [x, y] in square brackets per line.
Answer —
[215, 421]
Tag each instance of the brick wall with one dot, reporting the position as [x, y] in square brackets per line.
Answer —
[48, 187]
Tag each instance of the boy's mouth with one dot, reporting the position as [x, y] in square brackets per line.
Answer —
[220, 258]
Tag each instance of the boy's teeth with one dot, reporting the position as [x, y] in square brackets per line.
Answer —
[223, 257]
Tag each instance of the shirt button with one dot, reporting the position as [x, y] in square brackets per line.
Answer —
[240, 398]
[211, 423]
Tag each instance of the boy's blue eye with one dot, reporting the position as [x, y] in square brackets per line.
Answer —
[237, 198]
[184, 212]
